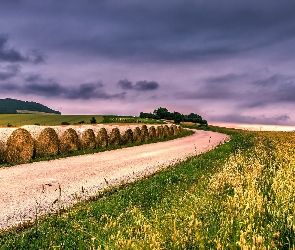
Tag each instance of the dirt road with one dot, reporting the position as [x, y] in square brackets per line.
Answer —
[37, 188]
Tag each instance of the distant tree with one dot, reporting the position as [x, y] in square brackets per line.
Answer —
[65, 123]
[93, 120]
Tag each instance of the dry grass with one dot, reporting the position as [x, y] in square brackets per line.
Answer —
[19, 146]
[69, 141]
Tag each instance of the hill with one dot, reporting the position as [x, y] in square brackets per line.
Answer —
[13, 106]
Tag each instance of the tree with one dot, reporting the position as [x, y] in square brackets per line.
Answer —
[93, 120]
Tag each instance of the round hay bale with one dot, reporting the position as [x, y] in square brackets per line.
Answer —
[69, 141]
[88, 140]
[137, 135]
[47, 143]
[45, 139]
[127, 137]
[166, 131]
[152, 133]
[171, 130]
[144, 133]
[160, 132]
[115, 137]
[19, 146]
[102, 138]
[4, 134]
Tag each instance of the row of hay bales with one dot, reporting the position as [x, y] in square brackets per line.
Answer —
[23, 144]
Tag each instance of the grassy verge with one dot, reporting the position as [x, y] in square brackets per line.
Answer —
[240, 195]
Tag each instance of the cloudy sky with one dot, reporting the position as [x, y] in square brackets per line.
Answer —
[229, 61]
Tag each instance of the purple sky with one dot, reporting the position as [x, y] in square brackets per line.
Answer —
[229, 61]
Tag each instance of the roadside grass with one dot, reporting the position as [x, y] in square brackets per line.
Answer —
[237, 196]
[183, 133]
[18, 120]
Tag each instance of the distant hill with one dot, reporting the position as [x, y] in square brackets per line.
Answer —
[13, 106]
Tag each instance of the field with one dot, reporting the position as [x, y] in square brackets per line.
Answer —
[238, 196]
[44, 119]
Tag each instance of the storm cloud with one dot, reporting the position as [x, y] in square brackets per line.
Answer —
[139, 86]
[36, 85]
[230, 60]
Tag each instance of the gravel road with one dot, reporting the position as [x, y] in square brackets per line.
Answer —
[37, 188]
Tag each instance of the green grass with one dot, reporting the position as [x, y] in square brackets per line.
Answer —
[130, 119]
[192, 205]
[44, 119]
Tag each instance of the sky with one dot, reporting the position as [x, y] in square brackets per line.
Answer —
[228, 61]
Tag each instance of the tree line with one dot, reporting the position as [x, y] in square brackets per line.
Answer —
[163, 113]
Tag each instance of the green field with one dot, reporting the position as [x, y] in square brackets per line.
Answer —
[44, 119]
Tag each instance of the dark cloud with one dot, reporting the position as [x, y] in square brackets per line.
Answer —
[9, 54]
[146, 86]
[139, 86]
[125, 84]
[157, 31]
[9, 71]
[12, 55]
[235, 118]
[36, 85]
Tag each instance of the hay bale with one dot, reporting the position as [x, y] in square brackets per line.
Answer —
[115, 137]
[137, 135]
[69, 141]
[144, 133]
[19, 146]
[127, 137]
[47, 143]
[45, 139]
[160, 132]
[88, 140]
[171, 130]
[166, 131]
[102, 138]
[152, 133]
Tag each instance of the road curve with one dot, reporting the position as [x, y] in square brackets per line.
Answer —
[37, 188]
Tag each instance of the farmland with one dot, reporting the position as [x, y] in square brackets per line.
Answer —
[44, 119]
[238, 196]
